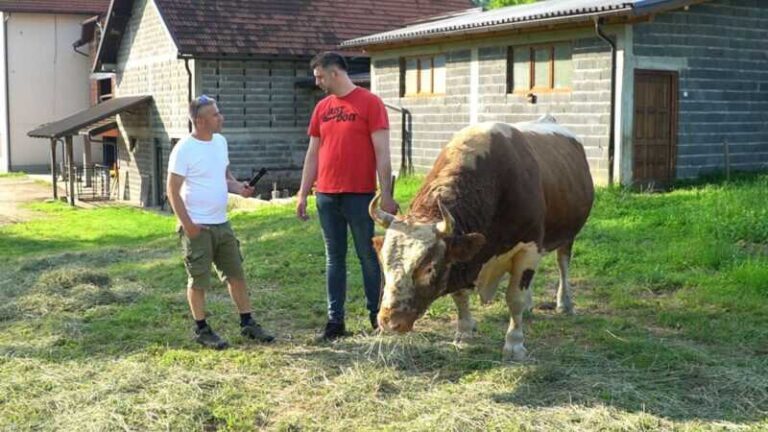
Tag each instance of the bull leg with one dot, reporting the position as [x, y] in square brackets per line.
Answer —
[529, 297]
[466, 325]
[564, 302]
[524, 266]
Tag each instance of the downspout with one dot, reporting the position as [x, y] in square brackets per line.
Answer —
[189, 89]
[612, 126]
[74, 48]
[7, 119]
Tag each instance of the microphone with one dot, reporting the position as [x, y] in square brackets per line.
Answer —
[257, 177]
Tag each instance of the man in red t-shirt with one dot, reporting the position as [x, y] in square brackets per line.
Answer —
[348, 146]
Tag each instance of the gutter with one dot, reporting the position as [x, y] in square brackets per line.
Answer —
[189, 89]
[612, 126]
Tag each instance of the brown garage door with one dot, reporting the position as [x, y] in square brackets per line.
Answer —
[655, 128]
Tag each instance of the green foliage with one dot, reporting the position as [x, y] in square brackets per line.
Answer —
[494, 4]
[18, 174]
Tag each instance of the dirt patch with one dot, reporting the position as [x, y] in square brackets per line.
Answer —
[14, 192]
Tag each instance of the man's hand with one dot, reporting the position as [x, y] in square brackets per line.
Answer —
[247, 191]
[194, 230]
[301, 208]
[389, 205]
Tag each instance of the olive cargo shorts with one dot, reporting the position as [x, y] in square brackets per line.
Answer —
[216, 245]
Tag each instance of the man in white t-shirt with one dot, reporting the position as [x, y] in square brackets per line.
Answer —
[198, 182]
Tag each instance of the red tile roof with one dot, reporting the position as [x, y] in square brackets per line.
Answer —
[55, 6]
[287, 27]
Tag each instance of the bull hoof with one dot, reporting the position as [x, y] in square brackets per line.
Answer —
[465, 331]
[565, 309]
[516, 353]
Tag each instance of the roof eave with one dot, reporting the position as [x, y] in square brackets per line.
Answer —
[51, 11]
[100, 51]
[633, 12]
[362, 43]
[43, 132]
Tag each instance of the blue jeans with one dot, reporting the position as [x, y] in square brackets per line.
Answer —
[336, 212]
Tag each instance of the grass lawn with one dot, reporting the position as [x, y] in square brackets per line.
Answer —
[12, 175]
[671, 329]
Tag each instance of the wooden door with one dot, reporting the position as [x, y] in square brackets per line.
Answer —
[655, 131]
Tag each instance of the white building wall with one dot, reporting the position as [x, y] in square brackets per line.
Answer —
[47, 81]
[4, 161]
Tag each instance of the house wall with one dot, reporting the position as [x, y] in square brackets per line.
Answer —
[5, 163]
[265, 114]
[719, 50]
[44, 87]
[147, 64]
[476, 92]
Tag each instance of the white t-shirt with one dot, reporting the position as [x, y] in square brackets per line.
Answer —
[203, 164]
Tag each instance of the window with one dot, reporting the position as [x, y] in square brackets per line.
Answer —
[539, 68]
[423, 76]
[104, 89]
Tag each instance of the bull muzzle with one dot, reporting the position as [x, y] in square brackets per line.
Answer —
[395, 320]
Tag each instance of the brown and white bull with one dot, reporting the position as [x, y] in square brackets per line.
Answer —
[498, 197]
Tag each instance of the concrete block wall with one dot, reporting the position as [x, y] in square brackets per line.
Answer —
[585, 109]
[723, 85]
[148, 65]
[265, 114]
[435, 118]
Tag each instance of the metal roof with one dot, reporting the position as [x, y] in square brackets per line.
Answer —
[551, 11]
[95, 117]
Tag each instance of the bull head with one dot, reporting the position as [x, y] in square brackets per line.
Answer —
[416, 259]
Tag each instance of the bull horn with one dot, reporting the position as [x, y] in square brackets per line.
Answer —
[377, 214]
[445, 227]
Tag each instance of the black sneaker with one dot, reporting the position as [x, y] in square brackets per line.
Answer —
[255, 332]
[209, 339]
[333, 330]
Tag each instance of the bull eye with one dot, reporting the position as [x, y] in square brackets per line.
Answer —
[426, 274]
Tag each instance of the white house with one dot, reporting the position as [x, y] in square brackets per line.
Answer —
[43, 77]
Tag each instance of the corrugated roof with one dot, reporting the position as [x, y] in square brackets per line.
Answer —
[512, 16]
[75, 7]
[90, 118]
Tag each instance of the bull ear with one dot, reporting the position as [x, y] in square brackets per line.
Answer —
[378, 242]
[464, 248]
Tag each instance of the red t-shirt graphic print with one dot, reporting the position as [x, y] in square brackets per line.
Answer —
[346, 159]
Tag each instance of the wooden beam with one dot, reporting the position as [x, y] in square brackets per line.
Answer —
[53, 169]
[87, 160]
[70, 171]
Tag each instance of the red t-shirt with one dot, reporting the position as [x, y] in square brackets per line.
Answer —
[346, 160]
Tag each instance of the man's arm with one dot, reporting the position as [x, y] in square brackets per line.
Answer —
[179, 209]
[380, 140]
[237, 187]
[308, 176]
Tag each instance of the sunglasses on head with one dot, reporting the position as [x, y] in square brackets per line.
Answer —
[203, 99]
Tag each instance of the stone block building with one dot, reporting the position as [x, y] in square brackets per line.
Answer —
[655, 89]
[251, 55]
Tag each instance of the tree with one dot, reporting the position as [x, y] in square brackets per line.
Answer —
[493, 4]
